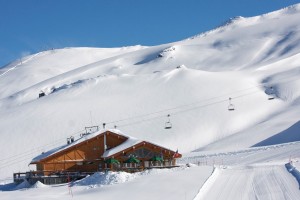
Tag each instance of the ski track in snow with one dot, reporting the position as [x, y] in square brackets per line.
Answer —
[20, 63]
[255, 182]
[255, 173]
[260, 176]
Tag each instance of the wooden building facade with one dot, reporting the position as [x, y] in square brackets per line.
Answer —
[101, 151]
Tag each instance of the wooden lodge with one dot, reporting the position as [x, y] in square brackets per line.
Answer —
[97, 151]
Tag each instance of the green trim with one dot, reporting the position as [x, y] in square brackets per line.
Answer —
[157, 158]
[112, 161]
[132, 160]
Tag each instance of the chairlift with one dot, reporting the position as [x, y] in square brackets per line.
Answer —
[230, 106]
[168, 124]
[271, 94]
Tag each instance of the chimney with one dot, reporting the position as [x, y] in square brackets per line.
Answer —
[105, 147]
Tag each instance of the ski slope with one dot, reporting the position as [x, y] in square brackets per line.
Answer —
[255, 173]
[36, 68]
[173, 184]
[135, 88]
[252, 182]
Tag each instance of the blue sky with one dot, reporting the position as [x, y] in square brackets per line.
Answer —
[30, 26]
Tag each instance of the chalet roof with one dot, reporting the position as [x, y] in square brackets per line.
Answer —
[77, 141]
[129, 142]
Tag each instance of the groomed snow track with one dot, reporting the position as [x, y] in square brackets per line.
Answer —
[250, 182]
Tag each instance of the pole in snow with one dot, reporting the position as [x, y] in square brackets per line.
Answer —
[69, 186]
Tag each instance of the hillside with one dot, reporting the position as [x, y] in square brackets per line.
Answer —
[135, 88]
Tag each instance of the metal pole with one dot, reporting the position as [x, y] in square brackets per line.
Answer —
[105, 147]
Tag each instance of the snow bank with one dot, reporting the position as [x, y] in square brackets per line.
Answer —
[100, 179]
[7, 186]
[38, 184]
[208, 184]
[109, 178]
[24, 185]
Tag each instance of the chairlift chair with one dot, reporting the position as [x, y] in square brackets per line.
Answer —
[168, 124]
[230, 106]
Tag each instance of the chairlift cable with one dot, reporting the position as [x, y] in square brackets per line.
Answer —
[191, 104]
[149, 119]
[53, 143]
[186, 110]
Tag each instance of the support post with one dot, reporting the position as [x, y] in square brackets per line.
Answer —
[105, 147]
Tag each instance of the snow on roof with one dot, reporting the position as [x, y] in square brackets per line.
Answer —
[131, 141]
[79, 140]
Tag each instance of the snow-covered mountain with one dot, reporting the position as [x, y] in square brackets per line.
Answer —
[135, 88]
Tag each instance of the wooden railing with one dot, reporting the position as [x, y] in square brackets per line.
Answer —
[53, 177]
[64, 176]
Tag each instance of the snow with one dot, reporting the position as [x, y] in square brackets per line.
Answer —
[77, 141]
[261, 182]
[117, 185]
[245, 174]
[100, 179]
[208, 184]
[38, 184]
[135, 88]
[128, 143]
[23, 185]
[47, 64]
[254, 173]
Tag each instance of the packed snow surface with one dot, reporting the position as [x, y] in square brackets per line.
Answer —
[135, 88]
[258, 182]
[245, 174]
